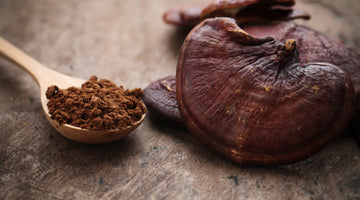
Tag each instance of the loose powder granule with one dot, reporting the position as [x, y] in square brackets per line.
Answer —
[97, 105]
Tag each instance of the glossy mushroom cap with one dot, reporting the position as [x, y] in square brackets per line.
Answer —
[250, 100]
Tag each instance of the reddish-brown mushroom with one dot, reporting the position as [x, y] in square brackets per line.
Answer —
[314, 46]
[250, 100]
[160, 98]
[244, 11]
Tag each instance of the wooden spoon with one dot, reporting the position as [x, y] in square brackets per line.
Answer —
[46, 77]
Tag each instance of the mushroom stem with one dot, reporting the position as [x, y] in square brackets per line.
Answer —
[290, 45]
[288, 55]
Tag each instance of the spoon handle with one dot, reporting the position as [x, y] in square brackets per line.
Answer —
[14, 54]
[43, 75]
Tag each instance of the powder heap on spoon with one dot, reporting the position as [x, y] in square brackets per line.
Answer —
[97, 105]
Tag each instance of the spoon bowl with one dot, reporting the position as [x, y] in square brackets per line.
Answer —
[46, 77]
[92, 136]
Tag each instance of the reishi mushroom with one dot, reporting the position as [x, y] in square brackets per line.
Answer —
[160, 98]
[252, 101]
[244, 11]
[313, 46]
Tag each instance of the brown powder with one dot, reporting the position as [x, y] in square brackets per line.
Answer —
[97, 105]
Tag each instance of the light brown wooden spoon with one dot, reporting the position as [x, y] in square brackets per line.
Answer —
[46, 77]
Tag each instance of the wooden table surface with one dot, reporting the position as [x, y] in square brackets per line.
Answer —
[127, 42]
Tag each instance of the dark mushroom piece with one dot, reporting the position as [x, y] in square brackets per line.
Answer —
[314, 46]
[160, 98]
[244, 11]
[250, 100]
[257, 14]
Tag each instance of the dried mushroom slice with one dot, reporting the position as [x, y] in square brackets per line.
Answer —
[244, 11]
[160, 98]
[314, 46]
[260, 14]
[250, 99]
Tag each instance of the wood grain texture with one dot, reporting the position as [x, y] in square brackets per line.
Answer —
[127, 42]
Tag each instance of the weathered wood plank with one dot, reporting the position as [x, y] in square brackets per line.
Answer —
[127, 42]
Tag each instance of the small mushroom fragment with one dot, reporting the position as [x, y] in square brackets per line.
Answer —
[314, 46]
[244, 11]
[250, 100]
[160, 98]
[260, 14]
